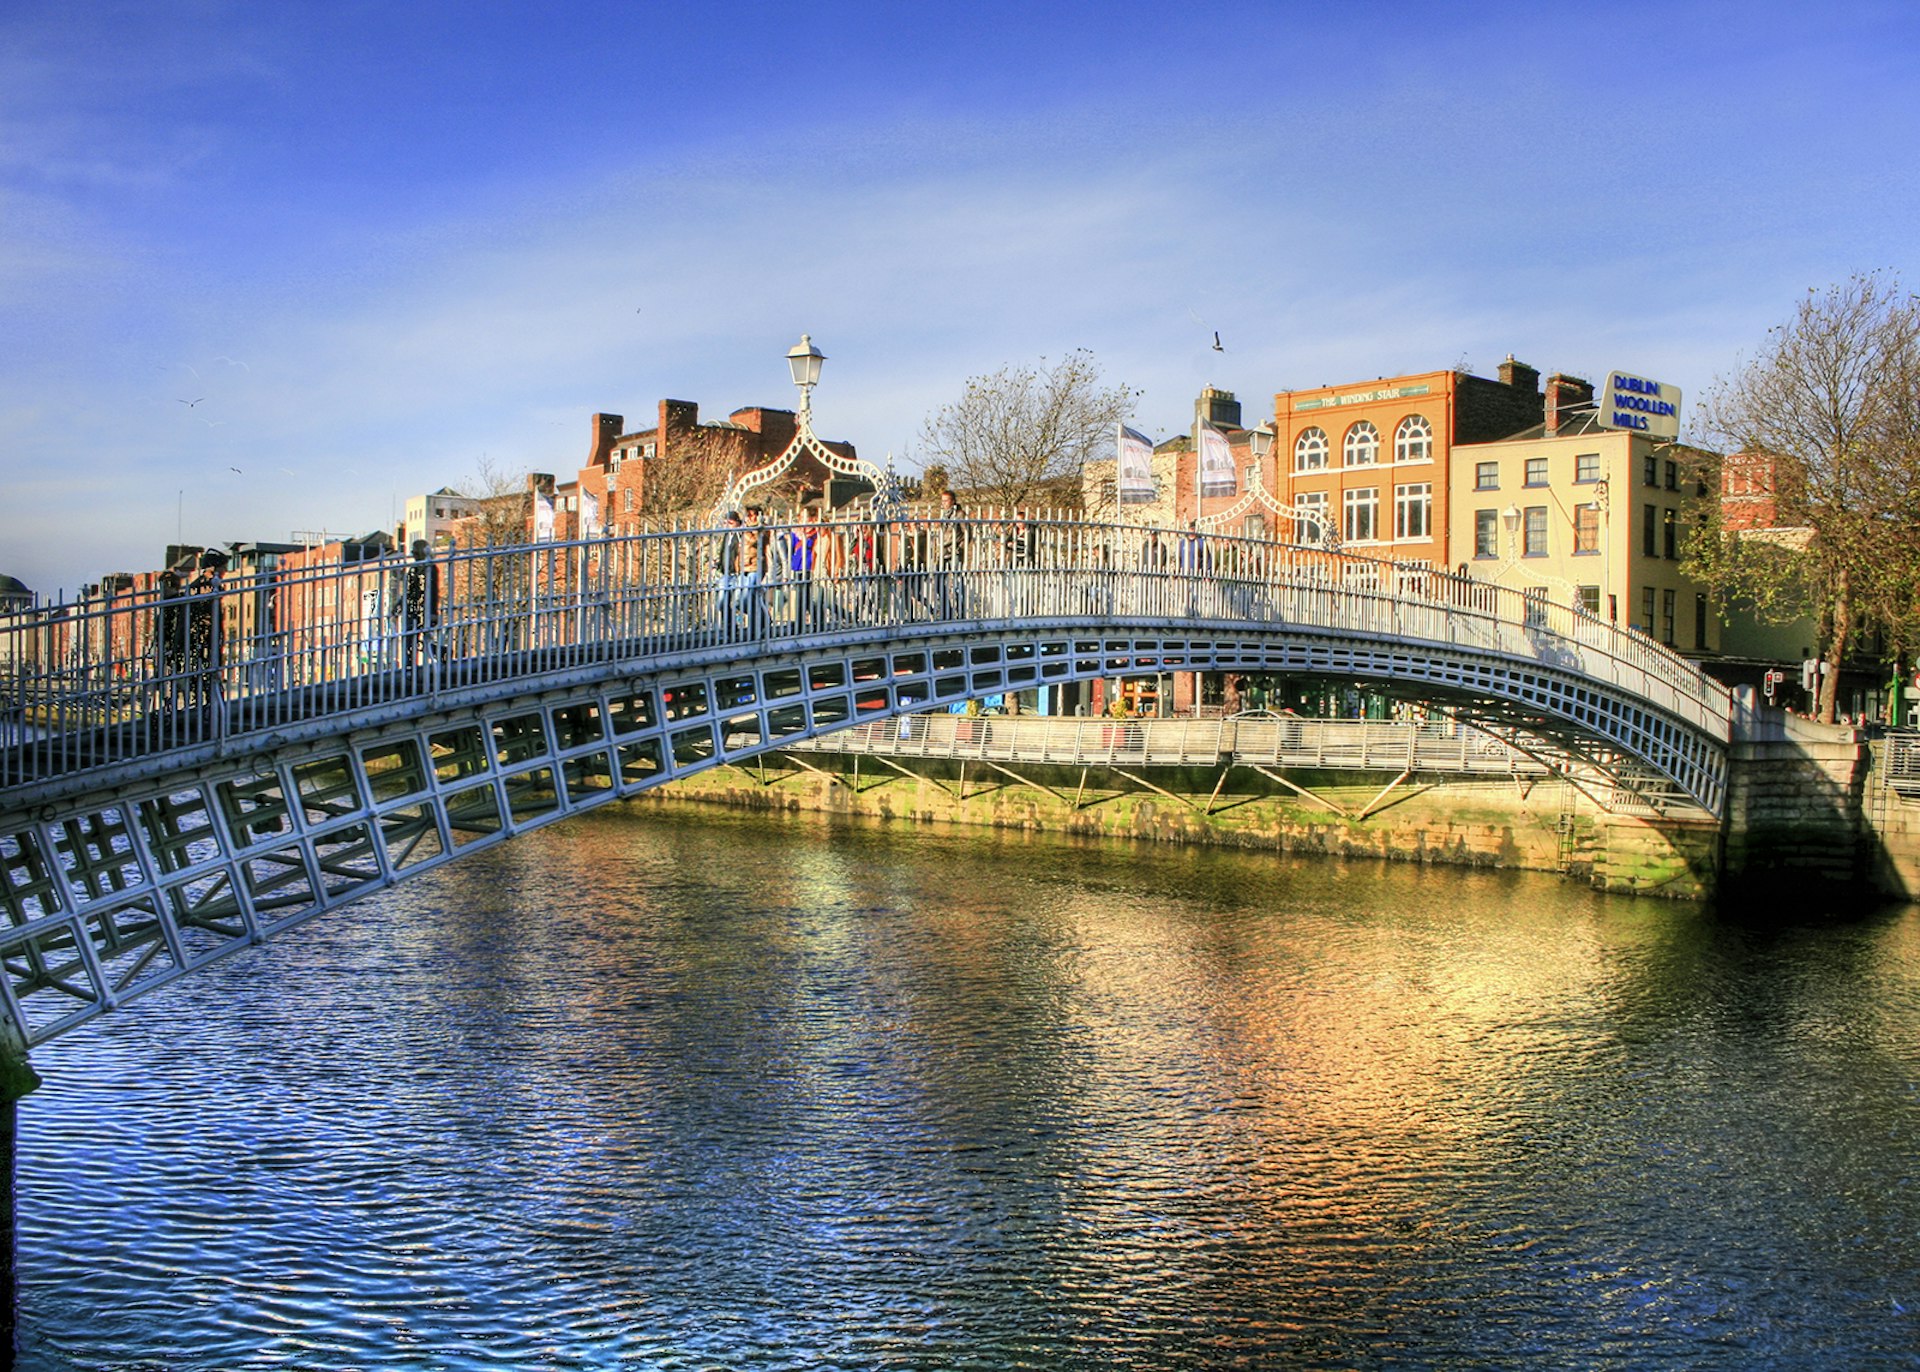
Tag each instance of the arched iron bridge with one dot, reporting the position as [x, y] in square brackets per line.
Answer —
[185, 777]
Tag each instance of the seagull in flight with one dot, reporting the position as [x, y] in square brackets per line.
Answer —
[190, 403]
[1216, 342]
[236, 471]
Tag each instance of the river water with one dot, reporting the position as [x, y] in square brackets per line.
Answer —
[658, 1090]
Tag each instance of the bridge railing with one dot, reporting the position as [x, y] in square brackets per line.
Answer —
[1282, 741]
[115, 674]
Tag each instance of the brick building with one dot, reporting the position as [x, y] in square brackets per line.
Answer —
[678, 464]
[1372, 458]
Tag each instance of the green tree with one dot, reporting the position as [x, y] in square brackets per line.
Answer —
[1832, 403]
[1026, 429]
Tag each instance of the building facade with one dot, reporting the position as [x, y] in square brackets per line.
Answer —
[1589, 516]
[1368, 462]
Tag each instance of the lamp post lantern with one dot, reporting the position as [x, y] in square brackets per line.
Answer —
[804, 360]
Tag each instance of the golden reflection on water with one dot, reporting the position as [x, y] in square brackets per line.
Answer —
[957, 1094]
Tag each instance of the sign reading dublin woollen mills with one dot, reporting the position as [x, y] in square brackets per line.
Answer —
[1633, 402]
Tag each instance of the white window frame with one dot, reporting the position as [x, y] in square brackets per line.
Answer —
[1312, 451]
[1310, 503]
[1413, 498]
[1361, 446]
[1360, 504]
[1413, 440]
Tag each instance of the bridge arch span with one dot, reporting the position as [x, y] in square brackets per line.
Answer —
[123, 874]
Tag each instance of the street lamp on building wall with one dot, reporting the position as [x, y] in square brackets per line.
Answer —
[804, 360]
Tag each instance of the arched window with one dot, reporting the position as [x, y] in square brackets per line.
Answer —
[1413, 440]
[1362, 448]
[1310, 450]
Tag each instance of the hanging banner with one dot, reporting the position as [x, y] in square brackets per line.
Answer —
[1216, 462]
[589, 515]
[1134, 462]
[542, 517]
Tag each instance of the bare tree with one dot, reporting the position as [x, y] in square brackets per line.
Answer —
[504, 516]
[1025, 430]
[1832, 403]
[692, 470]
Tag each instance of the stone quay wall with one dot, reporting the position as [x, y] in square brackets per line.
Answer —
[1545, 825]
[1808, 810]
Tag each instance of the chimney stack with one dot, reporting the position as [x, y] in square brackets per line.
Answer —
[1563, 394]
[606, 432]
[1520, 376]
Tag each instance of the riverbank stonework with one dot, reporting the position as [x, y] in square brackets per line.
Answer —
[1545, 826]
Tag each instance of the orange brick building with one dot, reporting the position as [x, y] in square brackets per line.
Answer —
[1371, 458]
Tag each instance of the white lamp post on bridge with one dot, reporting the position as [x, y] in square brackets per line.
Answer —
[804, 361]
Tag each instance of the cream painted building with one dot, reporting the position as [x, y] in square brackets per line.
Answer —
[1588, 515]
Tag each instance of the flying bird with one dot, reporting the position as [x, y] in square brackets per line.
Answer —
[1216, 342]
[190, 403]
[233, 362]
[236, 471]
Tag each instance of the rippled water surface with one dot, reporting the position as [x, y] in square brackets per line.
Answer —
[653, 1091]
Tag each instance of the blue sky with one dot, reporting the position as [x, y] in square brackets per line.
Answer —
[381, 243]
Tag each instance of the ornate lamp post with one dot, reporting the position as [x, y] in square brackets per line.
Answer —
[1257, 497]
[804, 360]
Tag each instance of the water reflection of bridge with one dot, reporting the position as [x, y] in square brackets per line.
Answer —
[326, 741]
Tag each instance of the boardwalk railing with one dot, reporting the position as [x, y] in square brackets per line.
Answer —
[1899, 762]
[111, 675]
[1287, 741]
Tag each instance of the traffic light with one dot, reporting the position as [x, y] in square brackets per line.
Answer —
[1810, 674]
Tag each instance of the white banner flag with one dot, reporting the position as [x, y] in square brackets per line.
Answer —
[1216, 462]
[589, 515]
[542, 517]
[1134, 467]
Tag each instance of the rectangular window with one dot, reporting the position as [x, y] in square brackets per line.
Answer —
[1312, 525]
[1588, 598]
[1486, 533]
[1586, 529]
[1646, 609]
[1666, 617]
[1486, 476]
[1413, 510]
[1650, 532]
[1536, 531]
[1536, 471]
[1672, 539]
[1700, 621]
[1360, 522]
[1586, 467]
[1673, 476]
[1650, 471]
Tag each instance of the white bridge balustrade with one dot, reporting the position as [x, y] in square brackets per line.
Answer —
[1284, 741]
[182, 778]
